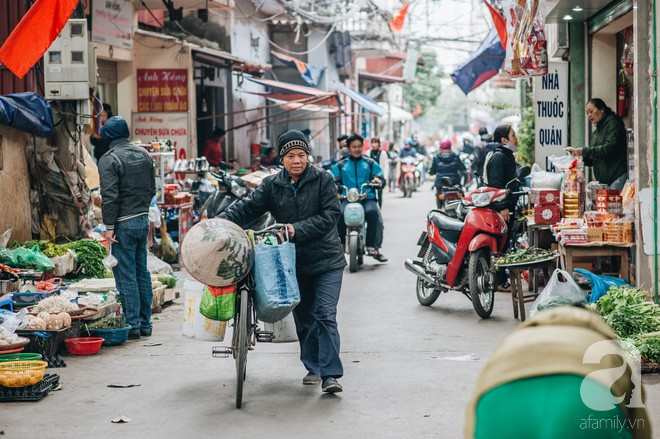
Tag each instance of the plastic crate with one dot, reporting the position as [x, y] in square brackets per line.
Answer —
[29, 298]
[113, 337]
[30, 393]
[47, 343]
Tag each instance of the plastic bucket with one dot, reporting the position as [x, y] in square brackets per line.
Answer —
[195, 325]
[283, 330]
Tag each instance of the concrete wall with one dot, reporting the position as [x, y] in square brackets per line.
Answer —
[603, 68]
[249, 41]
[15, 184]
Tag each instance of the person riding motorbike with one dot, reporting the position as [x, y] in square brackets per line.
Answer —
[353, 172]
[446, 164]
[408, 149]
[393, 160]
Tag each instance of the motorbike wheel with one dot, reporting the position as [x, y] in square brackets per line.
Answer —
[352, 253]
[408, 187]
[481, 283]
[426, 295]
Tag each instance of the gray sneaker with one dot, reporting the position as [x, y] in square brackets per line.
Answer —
[311, 379]
[331, 385]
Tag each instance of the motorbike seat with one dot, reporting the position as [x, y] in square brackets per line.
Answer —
[445, 223]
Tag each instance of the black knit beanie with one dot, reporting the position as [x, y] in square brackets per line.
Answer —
[292, 139]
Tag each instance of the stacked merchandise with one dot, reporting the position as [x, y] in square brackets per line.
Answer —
[546, 205]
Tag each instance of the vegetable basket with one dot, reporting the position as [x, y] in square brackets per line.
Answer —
[20, 357]
[11, 347]
[22, 373]
[113, 337]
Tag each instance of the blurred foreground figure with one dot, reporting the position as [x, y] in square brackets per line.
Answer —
[539, 384]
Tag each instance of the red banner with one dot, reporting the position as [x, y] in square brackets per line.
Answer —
[162, 90]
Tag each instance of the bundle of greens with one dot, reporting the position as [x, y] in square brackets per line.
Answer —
[167, 280]
[108, 323]
[633, 318]
[90, 254]
[523, 256]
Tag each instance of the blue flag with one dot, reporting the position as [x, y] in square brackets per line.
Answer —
[482, 65]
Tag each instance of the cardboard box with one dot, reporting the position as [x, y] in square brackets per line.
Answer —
[595, 234]
[544, 196]
[547, 213]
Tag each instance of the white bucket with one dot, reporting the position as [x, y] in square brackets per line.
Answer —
[195, 325]
[283, 330]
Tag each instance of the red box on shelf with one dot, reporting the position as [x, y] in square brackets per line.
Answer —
[547, 213]
[544, 196]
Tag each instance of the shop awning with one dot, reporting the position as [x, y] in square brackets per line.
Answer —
[284, 91]
[381, 78]
[223, 59]
[362, 100]
[397, 114]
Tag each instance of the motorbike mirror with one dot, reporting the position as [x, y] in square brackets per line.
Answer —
[524, 172]
[446, 181]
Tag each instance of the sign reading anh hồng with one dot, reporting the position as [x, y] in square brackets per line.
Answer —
[162, 90]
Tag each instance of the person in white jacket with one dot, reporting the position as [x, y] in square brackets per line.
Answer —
[381, 158]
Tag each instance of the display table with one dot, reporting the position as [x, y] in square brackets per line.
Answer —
[569, 252]
[540, 236]
[518, 296]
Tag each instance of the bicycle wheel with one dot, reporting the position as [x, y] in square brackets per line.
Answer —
[242, 326]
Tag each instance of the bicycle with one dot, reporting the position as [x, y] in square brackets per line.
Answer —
[246, 331]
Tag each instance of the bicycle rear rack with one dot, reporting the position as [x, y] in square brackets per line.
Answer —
[221, 351]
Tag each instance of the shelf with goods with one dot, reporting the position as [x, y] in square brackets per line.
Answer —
[162, 167]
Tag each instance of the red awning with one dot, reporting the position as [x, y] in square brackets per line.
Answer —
[284, 91]
[380, 78]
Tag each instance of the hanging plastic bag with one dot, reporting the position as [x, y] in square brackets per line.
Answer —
[110, 261]
[218, 303]
[527, 47]
[559, 293]
[7, 257]
[274, 271]
[600, 284]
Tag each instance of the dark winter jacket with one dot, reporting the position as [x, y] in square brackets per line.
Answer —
[608, 151]
[311, 206]
[500, 169]
[408, 152]
[127, 182]
[447, 164]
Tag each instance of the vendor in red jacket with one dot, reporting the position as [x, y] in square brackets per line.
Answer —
[213, 147]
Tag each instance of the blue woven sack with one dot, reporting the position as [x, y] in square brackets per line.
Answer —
[274, 272]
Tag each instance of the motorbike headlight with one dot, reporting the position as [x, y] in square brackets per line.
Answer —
[238, 190]
[482, 199]
[353, 195]
[500, 198]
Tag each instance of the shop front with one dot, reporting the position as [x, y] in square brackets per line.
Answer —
[607, 45]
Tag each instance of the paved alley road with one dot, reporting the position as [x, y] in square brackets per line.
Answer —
[409, 370]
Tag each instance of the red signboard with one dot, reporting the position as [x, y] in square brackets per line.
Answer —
[162, 90]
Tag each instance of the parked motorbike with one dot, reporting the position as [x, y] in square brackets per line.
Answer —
[231, 189]
[458, 255]
[356, 224]
[409, 176]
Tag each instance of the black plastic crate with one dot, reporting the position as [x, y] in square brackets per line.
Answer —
[47, 343]
[30, 393]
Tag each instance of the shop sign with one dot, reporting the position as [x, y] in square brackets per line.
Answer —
[150, 126]
[551, 112]
[162, 90]
[112, 23]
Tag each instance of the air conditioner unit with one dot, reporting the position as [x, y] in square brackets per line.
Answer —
[67, 63]
[557, 36]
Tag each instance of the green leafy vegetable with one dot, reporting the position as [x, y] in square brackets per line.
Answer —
[90, 254]
[522, 256]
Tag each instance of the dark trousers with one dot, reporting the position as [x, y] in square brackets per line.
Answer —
[374, 223]
[316, 323]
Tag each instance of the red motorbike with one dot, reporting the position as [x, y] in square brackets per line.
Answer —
[458, 255]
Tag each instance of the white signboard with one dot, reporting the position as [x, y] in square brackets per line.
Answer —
[111, 22]
[173, 126]
[551, 112]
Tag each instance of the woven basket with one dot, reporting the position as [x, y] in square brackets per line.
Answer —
[22, 373]
[618, 231]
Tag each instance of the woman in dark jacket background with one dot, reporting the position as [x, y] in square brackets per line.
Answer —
[608, 151]
[305, 199]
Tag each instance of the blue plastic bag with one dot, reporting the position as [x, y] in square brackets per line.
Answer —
[600, 284]
[274, 272]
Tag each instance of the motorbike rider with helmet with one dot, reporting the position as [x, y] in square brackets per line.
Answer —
[408, 149]
[446, 164]
[353, 172]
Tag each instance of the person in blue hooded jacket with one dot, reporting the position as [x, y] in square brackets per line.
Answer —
[352, 172]
[127, 186]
